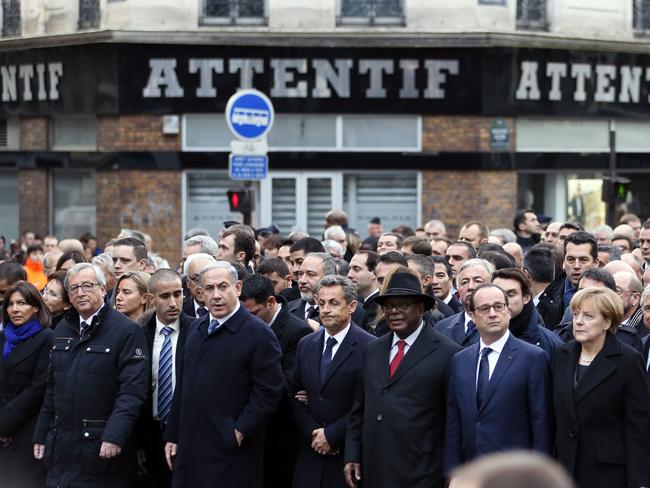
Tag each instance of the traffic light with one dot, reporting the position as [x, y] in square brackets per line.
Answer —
[241, 200]
[615, 189]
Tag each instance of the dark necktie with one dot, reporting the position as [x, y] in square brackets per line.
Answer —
[483, 377]
[471, 327]
[326, 359]
[83, 327]
[201, 311]
[165, 389]
[398, 357]
[213, 326]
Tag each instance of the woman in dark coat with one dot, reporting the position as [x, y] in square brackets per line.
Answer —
[601, 398]
[25, 343]
[56, 297]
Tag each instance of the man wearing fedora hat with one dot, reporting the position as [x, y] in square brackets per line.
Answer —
[396, 426]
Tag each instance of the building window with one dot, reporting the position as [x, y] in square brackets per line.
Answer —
[74, 133]
[371, 12]
[89, 14]
[10, 18]
[73, 206]
[531, 14]
[641, 16]
[234, 12]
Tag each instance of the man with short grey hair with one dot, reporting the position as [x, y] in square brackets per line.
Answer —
[97, 386]
[231, 368]
[314, 266]
[193, 304]
[326, 369]
[200, 243]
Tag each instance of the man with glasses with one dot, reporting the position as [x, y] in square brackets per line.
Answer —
[396, 427]
[499, 394]
[193, 304]
[98, 382]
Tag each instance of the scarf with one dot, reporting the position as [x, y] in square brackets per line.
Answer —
[14, 335]
[519, 324]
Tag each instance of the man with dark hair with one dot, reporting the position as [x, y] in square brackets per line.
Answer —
[608, 253]
[389, 241]
[441, 283]
[624, 243]
[10, 272]
[281, 446]
[566, 229]
[526, 226]
[278, 272]
[237, 244]
[396, 427]
[327, 367]
[362, 274]
[644, 241]
[539, 267]
[129, 254]
[416, 245]
[475, 233]
[499, 395]
[457, 253]
[165, 330]
[580, 254]
[525, 321]
[299, 249]
[423, 267]
[386, 263]
[313, 267]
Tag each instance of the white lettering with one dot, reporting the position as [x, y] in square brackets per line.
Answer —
[580, 72]
[8, 83]
[376, 68]
[555, 71]
[326, 75]
[40, 71]
[528, 88]
[247, 69]
[436, 77]
[282, 77]
[605, 91]
[205, 67]
[162, 74]
[56, 71]
[26, 73]
[630, 84]
[409, 67]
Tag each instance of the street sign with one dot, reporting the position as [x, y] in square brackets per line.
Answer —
[249, 114]
[248, 167]
[249, 148]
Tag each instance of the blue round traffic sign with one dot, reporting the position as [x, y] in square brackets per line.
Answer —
[249, 114]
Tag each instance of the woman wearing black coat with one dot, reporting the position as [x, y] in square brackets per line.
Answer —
[601, 398]
[25, 343]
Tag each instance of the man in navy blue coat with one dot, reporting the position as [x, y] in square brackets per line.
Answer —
[499, 394]
[230, 385]
[327, 366]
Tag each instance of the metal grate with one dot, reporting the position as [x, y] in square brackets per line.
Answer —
[3, 132]
[233, 9]
[89, 14]
[641, 15]
[531, 14]
[10, 18]
[371, 11]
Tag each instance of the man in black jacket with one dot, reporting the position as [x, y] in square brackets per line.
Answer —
[282, 437]
[97, 386]
[165, 329]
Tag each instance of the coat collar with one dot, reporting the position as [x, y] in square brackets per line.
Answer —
[600, 369]
[345, 349]
[426, 343]
[506, 358]
[22, 350]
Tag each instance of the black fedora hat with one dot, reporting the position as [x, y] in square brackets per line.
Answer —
[405, 285]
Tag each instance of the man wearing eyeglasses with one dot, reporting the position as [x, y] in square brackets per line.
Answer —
[396, 426]
[193, 304]
[97, 385]
[499, 395]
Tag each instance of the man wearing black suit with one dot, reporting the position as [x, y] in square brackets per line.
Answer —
[193, 304]
[313, 267]
[362, 274]
[165, 324]
[281, 435]
[645, 309]
[277, 271]
[396, 426]
[460, 327]
[230, 386]
[441, 283]
[327, 366]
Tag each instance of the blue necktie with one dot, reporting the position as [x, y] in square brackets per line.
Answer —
[83, 327]
[483, 377]
[201, 311]
[213, 326]
[165, 390]
[471, 327]
[326, 359]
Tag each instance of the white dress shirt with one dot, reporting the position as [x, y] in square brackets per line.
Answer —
[158, 340]
[275, 315]
[89, 320]
[339, 339]
[409, 342]
[447, 299]
[493, 357]
[467, 319]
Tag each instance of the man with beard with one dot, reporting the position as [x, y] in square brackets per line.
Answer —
[629, 288]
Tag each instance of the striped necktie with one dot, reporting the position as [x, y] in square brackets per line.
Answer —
[165, 390]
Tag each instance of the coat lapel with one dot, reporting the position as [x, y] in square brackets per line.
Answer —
[22, 351]
[600, 369]
[566, 371]
[503, 364]
[314, 352]
[345, 349]
[425, 344]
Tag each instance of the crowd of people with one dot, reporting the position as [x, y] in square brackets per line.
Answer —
[406, 359]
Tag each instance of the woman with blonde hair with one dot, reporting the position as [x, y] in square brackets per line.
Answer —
[131, 296]
[601, 398]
